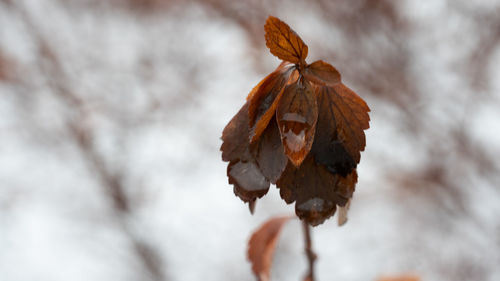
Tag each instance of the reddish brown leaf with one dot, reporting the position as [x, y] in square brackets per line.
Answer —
[297, 113]
[235, 136]
[322, 73]
[262, 245]
[339, 138]
[283, 42]
[269, 152]
[345, 185]
[315, 190]
[278, 70]
[264, 100]
[249, 183]
[242, 171]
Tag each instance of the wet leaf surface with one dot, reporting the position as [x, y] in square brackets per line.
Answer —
[315, 190]
[261, 247]
[248, 181]
[242, 171]
[297, 113]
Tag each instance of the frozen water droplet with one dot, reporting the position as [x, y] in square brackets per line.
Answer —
[294, 117]
[248, 176]
[315, 210]
[312, 204]
[295, 142]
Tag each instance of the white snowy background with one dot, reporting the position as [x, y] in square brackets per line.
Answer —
[111, 114]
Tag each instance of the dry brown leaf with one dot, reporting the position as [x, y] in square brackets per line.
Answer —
[269, 152]
[322, 73]
[283, 42]
[263, 102]
[315, 190]
[343, 116]
[262, 245]
[235, 136]
[297, 113]
[242, 171]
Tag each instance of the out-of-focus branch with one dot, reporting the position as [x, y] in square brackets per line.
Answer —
[111, 182]
[486, 21]
[4, 67]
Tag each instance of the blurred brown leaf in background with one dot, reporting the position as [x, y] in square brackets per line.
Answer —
[262, 245]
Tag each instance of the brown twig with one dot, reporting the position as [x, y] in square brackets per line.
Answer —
[311, 256]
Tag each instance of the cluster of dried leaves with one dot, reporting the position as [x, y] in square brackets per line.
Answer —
[301, 128]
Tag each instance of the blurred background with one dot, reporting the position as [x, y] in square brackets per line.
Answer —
[111, 113]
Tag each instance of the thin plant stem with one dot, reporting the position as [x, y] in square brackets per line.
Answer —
[311, 256]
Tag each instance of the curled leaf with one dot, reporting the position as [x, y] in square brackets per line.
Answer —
[269, 153]
[297, 113]
[249, 183]
[283, 42]
[267, 79]
[322, 73]
[264, 100]
[315, 190]
[262, 245]
[242, 171]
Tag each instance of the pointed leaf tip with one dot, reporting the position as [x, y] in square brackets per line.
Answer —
[251, 206]
[283, 42]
